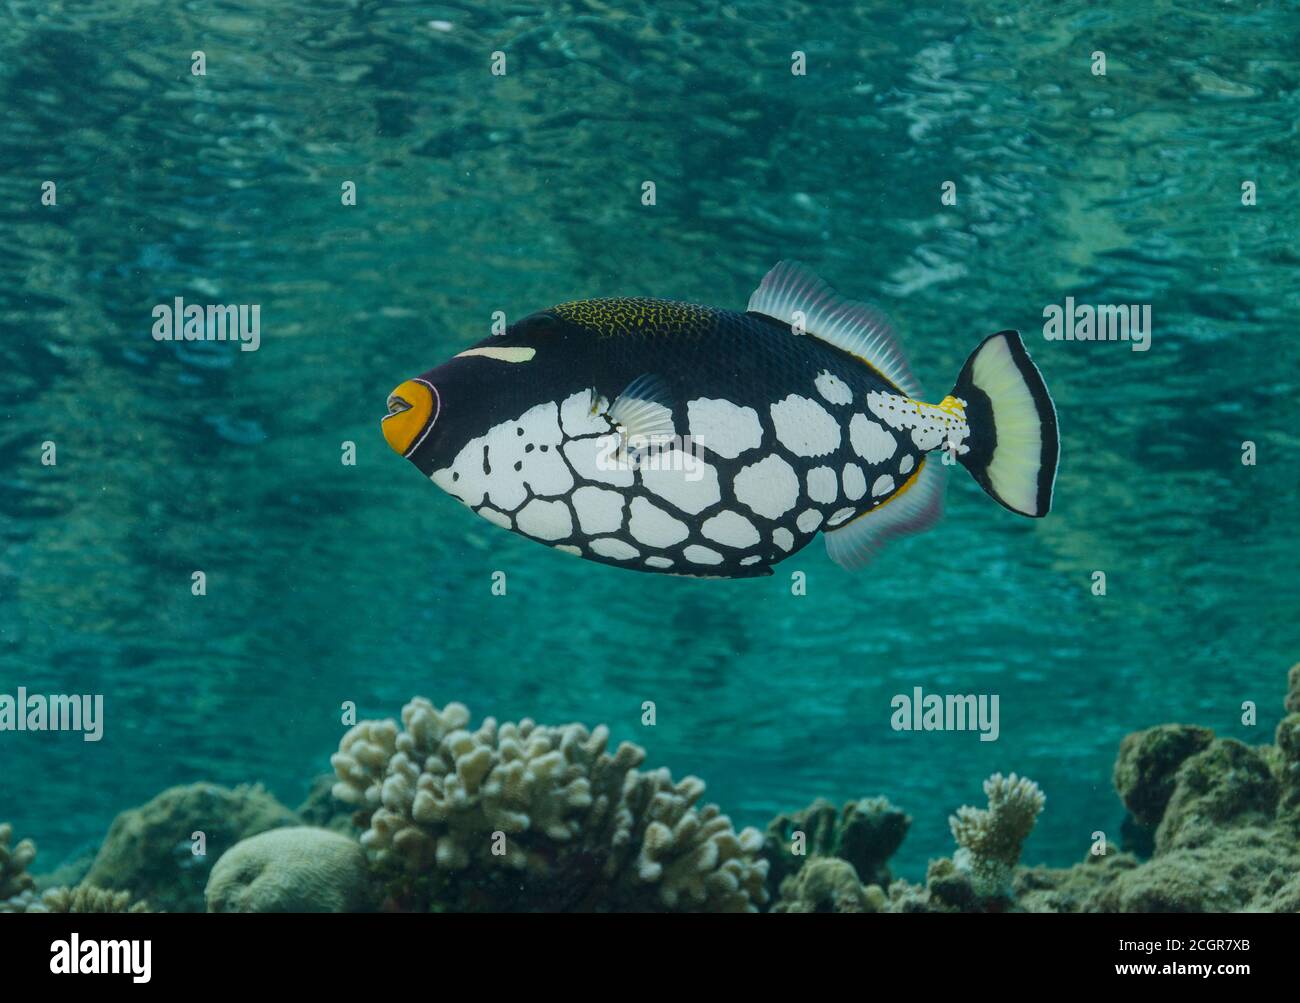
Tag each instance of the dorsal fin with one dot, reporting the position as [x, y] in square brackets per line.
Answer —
[856, 328]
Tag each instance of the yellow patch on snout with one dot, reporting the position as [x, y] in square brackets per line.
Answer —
[410, 407]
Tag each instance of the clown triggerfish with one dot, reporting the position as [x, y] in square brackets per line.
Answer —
[685, 439]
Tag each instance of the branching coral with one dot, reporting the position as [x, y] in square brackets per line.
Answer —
[990, 838]
[527, 816]
[81, 899]
[14, 879]
[18, 890]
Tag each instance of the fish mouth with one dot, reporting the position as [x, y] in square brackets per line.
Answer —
[412, 409]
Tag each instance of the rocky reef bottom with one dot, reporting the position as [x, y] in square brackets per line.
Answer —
[425, 814]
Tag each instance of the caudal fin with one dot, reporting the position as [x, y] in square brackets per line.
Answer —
[1013, 441]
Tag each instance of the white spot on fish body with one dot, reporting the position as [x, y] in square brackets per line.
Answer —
[855, 482]
[599, 510]
[653, 527]
[823, 485]
[577, 418]
[870, 440]
[701, 555]
[805, 427]
[833, 388]
[683, 480]
[769, 487]
[808, 520]
[928, 424]
[840, 516]
[723, 427]
[595, 459]
[608, 546]
[545, 520]
[783, 538]
[495, 517]
[731, 529]
[883, 485]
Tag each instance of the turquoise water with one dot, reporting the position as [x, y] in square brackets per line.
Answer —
[329, 583]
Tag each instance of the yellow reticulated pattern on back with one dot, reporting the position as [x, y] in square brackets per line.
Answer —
[636, 316]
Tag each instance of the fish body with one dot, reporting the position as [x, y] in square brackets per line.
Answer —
[687, 439]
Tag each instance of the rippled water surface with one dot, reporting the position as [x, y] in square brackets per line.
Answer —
[329, 583]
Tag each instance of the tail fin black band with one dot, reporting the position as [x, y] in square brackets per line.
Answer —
[1014, 444]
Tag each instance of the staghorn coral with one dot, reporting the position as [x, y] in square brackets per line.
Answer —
[297, 869]
[81, 899]
[526, 816]
[990, 838]
[865, 833]
[14, 879]
[18, 889]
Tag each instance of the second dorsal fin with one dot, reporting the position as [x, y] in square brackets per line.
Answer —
[856, 328]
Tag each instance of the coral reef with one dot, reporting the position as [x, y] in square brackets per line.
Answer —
[81, 899]
[14, 879]
[150, 850]
[989, 839]
[864, 833]
[524, 816]
[18, 889]
[1148, 760]
[828, 884]
[322, 809]
[1222, 816]
[297, 869]
[980, 875]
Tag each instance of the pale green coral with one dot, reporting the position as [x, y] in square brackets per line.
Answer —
[14, 879]
[296, 869]
[18, 889]
[81, 899]
[990, 838]
[525, 816]
[828, 884]
[150, 849]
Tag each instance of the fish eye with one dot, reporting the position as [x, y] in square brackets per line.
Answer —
[538, 322]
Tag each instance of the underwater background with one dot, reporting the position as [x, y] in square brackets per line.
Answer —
[330, 583]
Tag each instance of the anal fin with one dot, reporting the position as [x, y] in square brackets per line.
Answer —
[916, 506]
